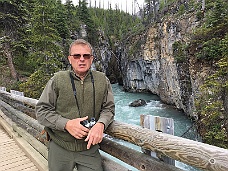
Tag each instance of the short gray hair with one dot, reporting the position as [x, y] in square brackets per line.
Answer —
[80, 42]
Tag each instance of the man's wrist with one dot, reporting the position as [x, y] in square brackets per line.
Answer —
[102, 123]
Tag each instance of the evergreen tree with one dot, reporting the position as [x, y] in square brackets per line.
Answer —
[45, 51]
[12, 21]
[44, 37]
[85, 18]
[72, 20]
[115, 24]
[60, 20]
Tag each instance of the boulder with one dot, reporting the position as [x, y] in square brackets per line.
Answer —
[137, 103]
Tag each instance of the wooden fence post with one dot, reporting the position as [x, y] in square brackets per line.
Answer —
[2, 88]
[17, 93]
[160, 124]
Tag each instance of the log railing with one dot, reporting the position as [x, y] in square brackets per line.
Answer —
[203, 156]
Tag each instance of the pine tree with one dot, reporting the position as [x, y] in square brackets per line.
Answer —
[44, 37]
[60, 24]
[45, 50]
[12, 21]
[60, 18]
[72, 20]
[85, 18]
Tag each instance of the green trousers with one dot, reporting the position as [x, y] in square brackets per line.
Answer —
[60, 159]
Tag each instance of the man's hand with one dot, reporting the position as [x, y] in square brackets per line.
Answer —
[95, 135]
[76, 129]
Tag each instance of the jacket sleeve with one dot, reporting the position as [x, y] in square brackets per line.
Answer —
[108, 108]
[45, 108]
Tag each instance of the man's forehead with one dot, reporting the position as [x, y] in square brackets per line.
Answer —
[80, 46]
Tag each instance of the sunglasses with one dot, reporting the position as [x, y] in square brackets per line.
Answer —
[78, 56]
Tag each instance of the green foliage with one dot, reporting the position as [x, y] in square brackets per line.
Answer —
[12, 15]
[44, 51]
[210, 107]
[165, 3]
[136, 46]
[60, 19]
[179, 52]
[199, 15]
[211, 50]
[35, 84]
[209, 40]
[22, 63]
[162, 5]
[15, 85]
[217, 13]
[13, 20]
[116, 24]
[38, 34]
[85, 18]
[72, 19]
[83, 12]
[211, 45]
[181, 9]
[170, 1]
[224, 46]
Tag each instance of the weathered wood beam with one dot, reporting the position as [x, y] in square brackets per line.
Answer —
[27, 119]
[32, 140]
[19, 102]
[134, 158]
[194, 153]
[110, 165]
[28, 101]
[160, 124]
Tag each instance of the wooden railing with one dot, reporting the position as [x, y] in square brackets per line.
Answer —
[203, 156]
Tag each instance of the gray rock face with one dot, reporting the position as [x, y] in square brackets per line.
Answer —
[153, 67]
[147, 62]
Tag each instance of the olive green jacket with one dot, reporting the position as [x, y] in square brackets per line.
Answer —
[57, 105]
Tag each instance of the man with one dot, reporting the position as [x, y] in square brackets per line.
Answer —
[70, 102]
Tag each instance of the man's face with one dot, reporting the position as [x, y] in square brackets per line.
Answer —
[80, 59]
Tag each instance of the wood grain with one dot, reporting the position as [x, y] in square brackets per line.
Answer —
[194, 153]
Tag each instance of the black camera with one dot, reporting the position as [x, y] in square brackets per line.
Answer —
[88, 124]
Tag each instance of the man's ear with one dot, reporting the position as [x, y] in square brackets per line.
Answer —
[92, 58]
[69, 60]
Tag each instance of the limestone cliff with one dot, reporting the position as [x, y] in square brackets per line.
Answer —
[152, 67]
[156, 61]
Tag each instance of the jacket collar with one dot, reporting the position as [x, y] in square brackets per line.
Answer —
[76, 76]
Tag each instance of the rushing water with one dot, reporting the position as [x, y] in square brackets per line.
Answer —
[155, 107]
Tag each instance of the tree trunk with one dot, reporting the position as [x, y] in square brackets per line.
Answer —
[9, 57]
[203, 5]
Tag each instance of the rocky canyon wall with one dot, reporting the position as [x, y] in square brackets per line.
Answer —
[152, 67]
